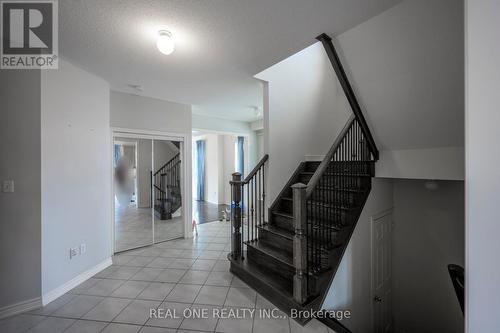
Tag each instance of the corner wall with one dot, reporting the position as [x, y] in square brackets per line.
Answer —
[351, 287]
[428, 235]
[304, 114]
[20, 212]
[76, 175]
[482, 272]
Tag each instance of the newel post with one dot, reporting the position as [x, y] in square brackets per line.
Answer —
[299, 243]
[236, 218]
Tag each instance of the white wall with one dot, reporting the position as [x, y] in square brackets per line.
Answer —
[428, 235]
[406, 68]
[306, 111]
[76, 171]
[260, 144]
[482, 274]
[228, 166]
[351, 286]
[214, 124]
[164, 151]
[144, 113]
[226, 126]
[20, 212]
[446, 163]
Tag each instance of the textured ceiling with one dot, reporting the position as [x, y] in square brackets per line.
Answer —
[220, 44]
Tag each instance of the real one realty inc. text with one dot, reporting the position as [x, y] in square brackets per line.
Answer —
[242, 313]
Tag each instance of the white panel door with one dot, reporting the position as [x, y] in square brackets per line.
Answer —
[381, 273]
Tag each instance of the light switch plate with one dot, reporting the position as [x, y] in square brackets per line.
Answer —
[8, 186]
[73, 252]
[83, 248]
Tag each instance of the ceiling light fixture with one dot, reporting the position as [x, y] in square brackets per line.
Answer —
[165, 42]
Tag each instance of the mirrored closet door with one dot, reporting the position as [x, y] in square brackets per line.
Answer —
[132, 167]
[167, 190]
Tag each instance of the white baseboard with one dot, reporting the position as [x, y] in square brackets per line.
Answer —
[11, 310]
[61, 290]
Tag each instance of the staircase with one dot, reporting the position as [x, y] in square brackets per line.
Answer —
[166, 184]
[291, 255]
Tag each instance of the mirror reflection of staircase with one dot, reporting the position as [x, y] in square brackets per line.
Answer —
[166, 185]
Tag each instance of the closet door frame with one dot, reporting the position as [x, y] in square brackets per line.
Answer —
[185, 145]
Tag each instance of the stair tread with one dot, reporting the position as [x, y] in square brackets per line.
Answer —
[272, 252]
[346, 189]
[287, 215]
[288, 234]
[282, 285]
[277, 230]
[338, 174]
[325, 204]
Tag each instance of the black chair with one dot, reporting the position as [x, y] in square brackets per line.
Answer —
[457, 278]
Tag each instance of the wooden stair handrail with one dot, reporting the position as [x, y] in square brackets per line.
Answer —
[172, 166]
[164, 165]
[328, 157]
[349, 92]
[257, 167]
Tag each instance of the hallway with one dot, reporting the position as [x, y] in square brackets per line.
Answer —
[179, 274]
[204, 212]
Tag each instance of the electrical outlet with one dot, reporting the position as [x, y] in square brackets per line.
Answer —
[83, 248]
[73, 252]
[8, 186]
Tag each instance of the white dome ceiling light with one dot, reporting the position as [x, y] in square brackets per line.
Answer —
[165, 42]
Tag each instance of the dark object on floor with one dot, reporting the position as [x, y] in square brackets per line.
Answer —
[226, 213]
[458, 280]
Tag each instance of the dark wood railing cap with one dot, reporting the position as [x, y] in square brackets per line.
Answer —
[349, 92]
[257, 167]
[165, 165]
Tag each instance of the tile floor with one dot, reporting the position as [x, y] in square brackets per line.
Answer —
[134, 227]
[204, 211]
[189, 275]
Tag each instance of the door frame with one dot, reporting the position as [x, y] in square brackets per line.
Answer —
[185, 145]
[373, 218]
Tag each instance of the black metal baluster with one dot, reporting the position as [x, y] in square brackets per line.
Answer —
[242, 196]
[261, 172]
[248, 212]
[256, 203]
[231, 222]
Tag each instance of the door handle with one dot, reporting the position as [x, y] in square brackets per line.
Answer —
[377, 299]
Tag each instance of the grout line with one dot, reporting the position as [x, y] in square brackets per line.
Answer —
[198, 249]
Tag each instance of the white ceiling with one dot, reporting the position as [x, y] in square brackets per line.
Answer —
[220, 44]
